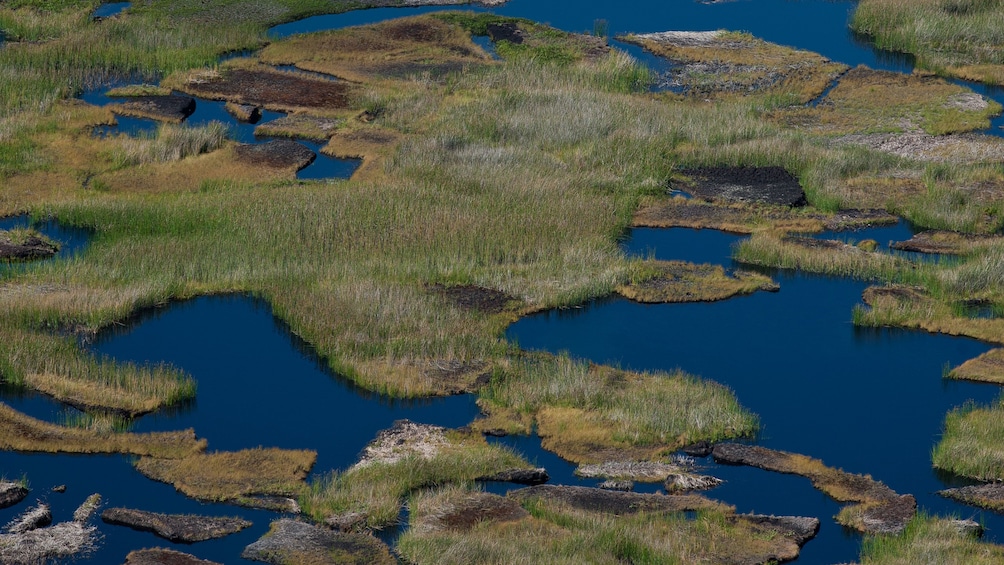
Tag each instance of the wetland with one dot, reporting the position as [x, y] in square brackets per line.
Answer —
[335, 282]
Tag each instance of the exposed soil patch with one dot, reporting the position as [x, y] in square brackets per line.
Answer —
[290, 541]
[813, 243]
[405, 438]
[858, 218]
[896, 292]
[171, 108]
[506, 31]
[987, 368]
[765, 185]
[479, 298]
[160, 556]
[614, 502]
[184, 528]
[880, 509]
[679, 281]
[945, 242]
[278, 154]
[990, 495]
[960, 148]
[799, 529]
[470, 510]
[11, 493]
[269, 88]
[27, 248]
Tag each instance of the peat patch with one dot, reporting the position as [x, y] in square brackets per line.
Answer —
[764, 185]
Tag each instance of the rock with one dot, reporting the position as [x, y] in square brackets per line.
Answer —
[170, 108]
[175, 527]
[470, 510]
[37, 517]
[160, 556]
[623, 486]
[11, 493]
[679, 482]
[290, 541]
[536, 476]
[642, 471]
[968, 527]
[279, 154]
[614, 502]
[348, 522]
[798, 528]
[59, 488]
[766, 185]
[244, 112]
[699, 449]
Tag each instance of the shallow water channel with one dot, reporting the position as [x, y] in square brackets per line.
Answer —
[868, 401]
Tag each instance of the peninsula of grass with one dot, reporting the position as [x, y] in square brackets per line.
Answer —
[679, 281]
[971, 442]
[929, 539]
[987, 368]
[959, 38]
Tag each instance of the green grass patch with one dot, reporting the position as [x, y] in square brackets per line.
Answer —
[971, 443]
[928, 539]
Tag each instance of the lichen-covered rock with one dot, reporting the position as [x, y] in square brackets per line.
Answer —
[291, 541]
[175, 527]
[11, 493]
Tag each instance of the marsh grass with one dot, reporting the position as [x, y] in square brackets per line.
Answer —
[23, 433]
[987, 368]
[587, 414]
[958, 37]
[378, 490]
[169, 143]
[929, 539]
[233, 476]
[971, 442]
[557, 533]
[678, 281]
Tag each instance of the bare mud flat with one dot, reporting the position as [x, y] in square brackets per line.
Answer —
[764, 185]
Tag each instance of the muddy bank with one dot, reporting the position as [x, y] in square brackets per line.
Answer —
[749, 218]
[278, 154]
[267, 88]
[25, 246]
[470, 510]
[987, 368]
[477, 298]
[185, 528]
[161, 556]
[879, 509]
[945, 242]
[989, 495]
[11, 493]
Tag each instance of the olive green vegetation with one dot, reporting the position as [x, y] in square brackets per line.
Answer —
[956, 37]
[377, 489]
[930, 540]
[971, 442]
[550, 531]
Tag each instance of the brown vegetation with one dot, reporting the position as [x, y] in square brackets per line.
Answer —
[679, 281]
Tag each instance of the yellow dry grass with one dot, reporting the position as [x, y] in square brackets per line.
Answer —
[234, 475]
[23, 433]
[395, 49]
[987, 368]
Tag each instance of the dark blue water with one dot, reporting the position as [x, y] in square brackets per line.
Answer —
[258, 385]
[110, 9]
[865, 400]
[206, 111]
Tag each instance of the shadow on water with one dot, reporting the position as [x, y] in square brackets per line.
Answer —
[865, 400]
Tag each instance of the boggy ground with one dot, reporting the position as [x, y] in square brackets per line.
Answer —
[516, 177]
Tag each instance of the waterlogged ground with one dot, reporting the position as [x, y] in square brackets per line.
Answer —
[792, 357]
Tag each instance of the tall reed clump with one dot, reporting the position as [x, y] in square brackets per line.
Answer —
[929, 539]
[170, 143]
[971, 442]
